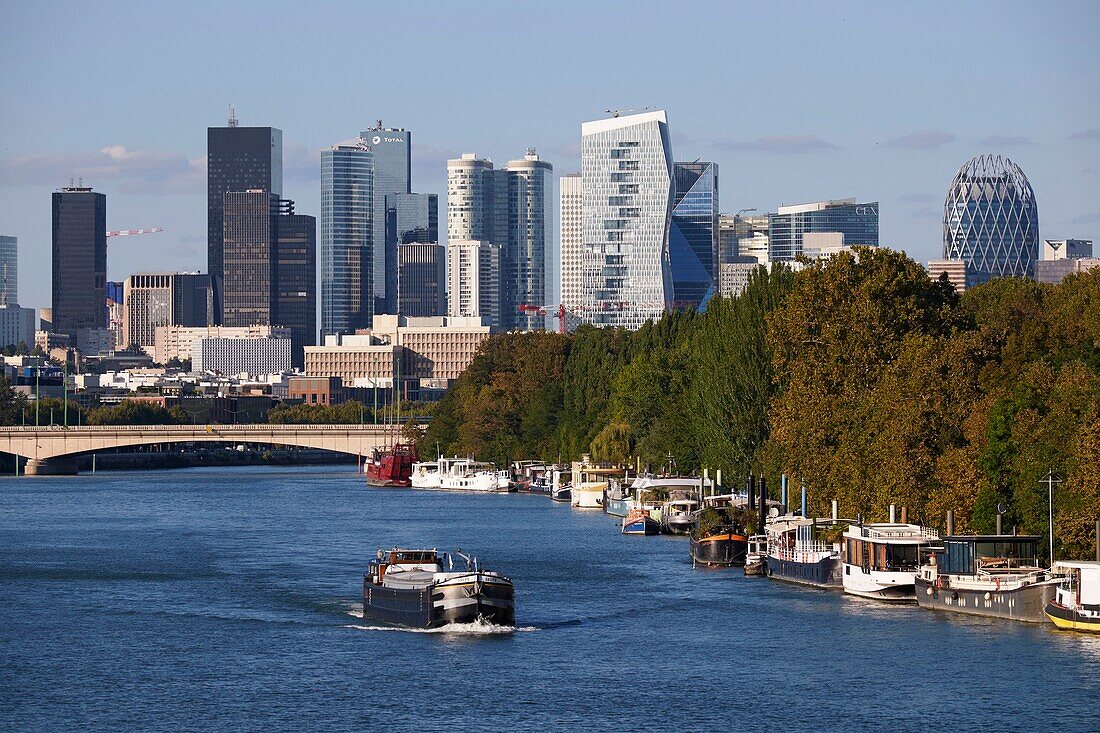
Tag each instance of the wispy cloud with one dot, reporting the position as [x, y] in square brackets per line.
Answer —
[132, 171]
[926, 212]
[1092, 134]
[1006, 141]
[916, 197]
[301, 163]
[921, 140]
[780, 144]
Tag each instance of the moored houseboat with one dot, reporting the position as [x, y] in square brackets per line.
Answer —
[718, 541]
[638, 522]
[797, 555]
[392, 466]
[679, 513]
[1076, 602]
[756, 555]
[881, 560]
[987, 575]
[412, 588]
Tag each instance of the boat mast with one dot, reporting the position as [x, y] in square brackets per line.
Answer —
[1050, 481]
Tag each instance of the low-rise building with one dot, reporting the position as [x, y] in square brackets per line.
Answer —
[429, 351]
[242, 355]
[733, 276]
[316, 390]
[1052, 272]
[175, 342]
[954, 269]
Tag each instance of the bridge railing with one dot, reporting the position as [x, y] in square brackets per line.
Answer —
[243, 427]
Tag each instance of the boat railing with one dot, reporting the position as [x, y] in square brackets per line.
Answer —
[899, 533]
[801, 550]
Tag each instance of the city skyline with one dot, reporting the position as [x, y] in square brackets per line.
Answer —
[872, 138]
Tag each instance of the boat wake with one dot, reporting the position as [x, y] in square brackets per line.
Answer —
[474, 628]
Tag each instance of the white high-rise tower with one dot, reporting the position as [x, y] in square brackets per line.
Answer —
[626, 199]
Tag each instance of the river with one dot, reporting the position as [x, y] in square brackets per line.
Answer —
[227, 598]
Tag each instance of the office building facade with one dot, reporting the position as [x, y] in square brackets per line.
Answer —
[17, 326]
[238, 159]
[422, 279]
[9, 270]
[155, 299]
[473, 281]
[392, 149]
[347, 237]
[571, 242]
[472, 201]
[295, 291]
[529, 203]
[175, 342]
[955, 270]
[241, 356]
[247, 247]
[787, 228]
[79, 271]
[626, 205]
[991, 221]
[1063, 249]
[411, 217]
[693, 234]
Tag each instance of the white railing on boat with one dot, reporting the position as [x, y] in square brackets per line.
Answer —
[900, 533]
[804, 551]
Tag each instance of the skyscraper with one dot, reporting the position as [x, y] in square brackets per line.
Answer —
[153, 299]
[571, 248]
[693, 234]
[530, 188]
[626, 202]
[238, 159]
[422, 279]
[295, 291]
[248, 243]
[789, 226]
[392, 147]
[347, 231]
[79, 260]
[9, 270]
[411, 217]
[474, 206]
[473, 281]
[990, 220]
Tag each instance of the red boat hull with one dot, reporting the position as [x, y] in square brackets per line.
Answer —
[391, 467]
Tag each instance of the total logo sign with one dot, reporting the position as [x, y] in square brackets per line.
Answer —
[378, 139]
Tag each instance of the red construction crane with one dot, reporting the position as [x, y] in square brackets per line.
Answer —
[127, 232]
[560, 311]
[542, 310]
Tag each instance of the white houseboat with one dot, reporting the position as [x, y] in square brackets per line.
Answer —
[881, 560]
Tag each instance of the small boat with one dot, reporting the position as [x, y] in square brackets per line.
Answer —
[639, 522]
[796, 555]
[392, 466]
[723, 546]
[988, 575]
[523, 474]
[618, 501]
[756, 555]
[881, 560]
[590, 482]
[411, 588]
[459, 474]
[1076, 602]
[679, 513]
[563, 493]
[425, 475]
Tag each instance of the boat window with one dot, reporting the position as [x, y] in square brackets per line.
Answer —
[902, 557]
[1005, 554]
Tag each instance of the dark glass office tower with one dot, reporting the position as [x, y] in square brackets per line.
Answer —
[238, 159]
[194, 296]
[787, 227]
[79, 260]
[422, 284]
[392, 148]
[248, 240]
[296, 279]
[693, 233]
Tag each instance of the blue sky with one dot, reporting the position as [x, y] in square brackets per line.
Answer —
[795, 101]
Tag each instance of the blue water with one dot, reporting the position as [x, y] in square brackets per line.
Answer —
[225, 599]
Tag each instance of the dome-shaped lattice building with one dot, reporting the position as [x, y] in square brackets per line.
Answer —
[990, 220]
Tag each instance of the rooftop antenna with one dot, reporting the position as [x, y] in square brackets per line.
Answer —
[618, 112]
[379, 122]
[233, 121]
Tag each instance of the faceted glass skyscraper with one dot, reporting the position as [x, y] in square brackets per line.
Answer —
[626, 201]
[990, 220]
[347, 237]
[9, 270]
[392, 148]
[693, 235]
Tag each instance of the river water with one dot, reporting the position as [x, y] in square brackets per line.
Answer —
[226, 599]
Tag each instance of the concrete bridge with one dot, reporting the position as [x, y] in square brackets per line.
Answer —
[47, 448]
